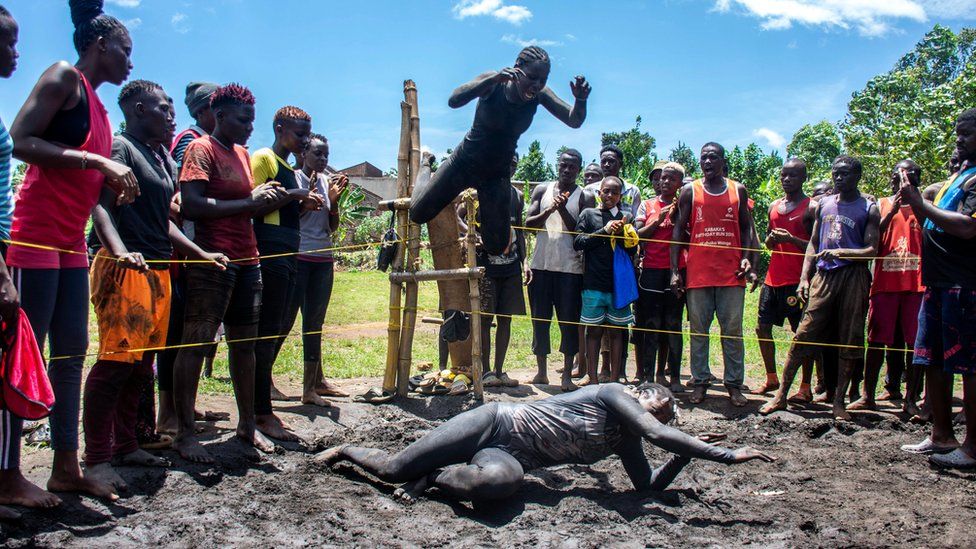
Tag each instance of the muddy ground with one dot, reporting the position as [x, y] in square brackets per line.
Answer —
[834, 485]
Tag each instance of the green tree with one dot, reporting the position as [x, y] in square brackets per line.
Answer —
[682, 154]
[759, 172]
[18, 176]
[533, 166]
[909, 112]
[639, 156]
[818, 145]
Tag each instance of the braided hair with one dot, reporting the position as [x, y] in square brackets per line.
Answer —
[532, 54]
[91, 23]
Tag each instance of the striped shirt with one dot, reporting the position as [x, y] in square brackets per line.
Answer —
[6, 192]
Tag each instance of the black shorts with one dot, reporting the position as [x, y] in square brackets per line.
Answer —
[777, 304]
[502, 294]
[232, 296]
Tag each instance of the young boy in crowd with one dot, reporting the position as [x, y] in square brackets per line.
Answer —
[594, 228]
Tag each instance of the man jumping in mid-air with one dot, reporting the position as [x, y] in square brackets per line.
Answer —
[507, 101]
[491, 447]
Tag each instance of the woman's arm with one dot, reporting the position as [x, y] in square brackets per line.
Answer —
[479, 87]
[560, 109]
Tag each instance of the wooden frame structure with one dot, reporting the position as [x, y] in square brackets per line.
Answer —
[406, 274]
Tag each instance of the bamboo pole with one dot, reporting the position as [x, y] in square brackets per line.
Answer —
[396, 287]
[448, 274]
[395, 204]
[471, 240]
[413, 247]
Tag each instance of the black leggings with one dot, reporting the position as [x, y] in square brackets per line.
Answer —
[278, 275]
[311, 295]
[432, 194]
[487, 473]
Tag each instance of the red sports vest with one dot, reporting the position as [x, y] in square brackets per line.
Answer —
[901, 248]
[785, 268]
[713, 253]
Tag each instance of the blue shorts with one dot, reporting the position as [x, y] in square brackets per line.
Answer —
[947, 330]
[598, 309]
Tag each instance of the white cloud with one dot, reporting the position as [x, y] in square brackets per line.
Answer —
[953, 9]
[522, 43]
[498, 9]
[180, 22]
[133, 23]
[773, 138]
[125, 3]
[869, 17]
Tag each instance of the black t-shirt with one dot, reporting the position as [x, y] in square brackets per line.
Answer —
[597, 251]
[507, 264]
[143, 225]
[949, 261]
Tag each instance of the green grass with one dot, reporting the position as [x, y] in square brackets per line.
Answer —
[359, 306]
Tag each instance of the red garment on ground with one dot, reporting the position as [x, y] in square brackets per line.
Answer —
[714, 252]
[901, 248]
[785, 268]
[227, 174]
[54, 204]
[657, 255]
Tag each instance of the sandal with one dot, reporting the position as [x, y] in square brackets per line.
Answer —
[491, 380]
[956, 459]
[374, 396]
[458, 387]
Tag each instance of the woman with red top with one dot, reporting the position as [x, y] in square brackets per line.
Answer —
[660, 309]
[896, 297]
[63, 132]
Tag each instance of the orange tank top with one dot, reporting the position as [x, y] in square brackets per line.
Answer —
[901, 248]
[713, 253]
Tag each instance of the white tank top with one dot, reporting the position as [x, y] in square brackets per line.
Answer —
[553, 246]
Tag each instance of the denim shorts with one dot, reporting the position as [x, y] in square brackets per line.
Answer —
[947, 330]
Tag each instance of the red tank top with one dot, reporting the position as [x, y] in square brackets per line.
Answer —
[657, 254]
[785, 268]
[713, 253]
[901, 248]
[53, 204]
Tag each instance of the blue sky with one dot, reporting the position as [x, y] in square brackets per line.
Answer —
[732, 71]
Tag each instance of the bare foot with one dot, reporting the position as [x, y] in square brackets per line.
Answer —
[603, 378]
[328, 389]
[863, 404]
[331, 456]
[167, 425]
[207, 415]
[697, 394]
[767, 387]
[802, 396]
[819, 388]
[910, 408]
[586, 381]
[273, 427]
[66, 482]
[540, 379]
[578, 374]
[568, 386]
[256, 439]
[277, 395]
[736, 397]
[772, 406]
[840, 414]
[888, 395]
[103, 472]
[661, 380]
[143, 458]
[17, 490]
[824, 397]
[410, 492]
[315, 400]
[191, 450]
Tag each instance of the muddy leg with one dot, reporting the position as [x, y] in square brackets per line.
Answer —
[492, 474]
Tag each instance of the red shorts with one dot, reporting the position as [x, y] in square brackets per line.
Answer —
[888, 310]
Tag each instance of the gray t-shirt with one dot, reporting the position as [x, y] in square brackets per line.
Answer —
[630, 198]
[314, 224]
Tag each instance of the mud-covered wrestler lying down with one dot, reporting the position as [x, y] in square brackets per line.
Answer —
[483, 453]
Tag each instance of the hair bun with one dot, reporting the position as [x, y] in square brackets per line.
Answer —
[83, 11]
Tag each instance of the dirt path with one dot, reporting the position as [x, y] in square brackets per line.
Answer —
[834, 485]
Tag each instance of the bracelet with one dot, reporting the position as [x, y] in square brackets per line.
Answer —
[84, 160]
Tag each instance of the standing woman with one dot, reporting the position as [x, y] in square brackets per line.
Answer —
[63, 132]
[14, 488]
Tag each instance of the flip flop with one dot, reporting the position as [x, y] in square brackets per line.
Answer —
[458, 388]
[927, 447]
[956, 459]
[374, 396]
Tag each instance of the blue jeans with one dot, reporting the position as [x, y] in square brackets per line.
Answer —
[56, 303]
[724, 303]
